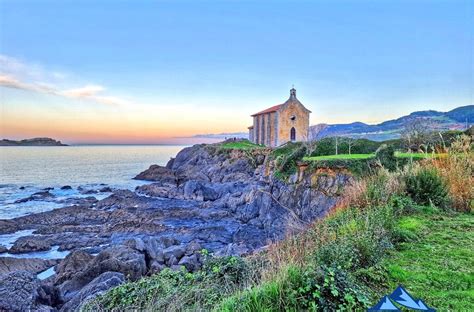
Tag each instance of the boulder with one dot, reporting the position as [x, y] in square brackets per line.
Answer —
[154, 250]
[136, 243]
[193, 248]
[120, 259]
[66, 187]
[96, 287]
[3, 249]
[177, 251]
[30, 244]
[18, 291]
[76, 261]
[191, 263]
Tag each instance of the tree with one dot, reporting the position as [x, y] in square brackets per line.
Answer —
[417, 134]
[350, 143]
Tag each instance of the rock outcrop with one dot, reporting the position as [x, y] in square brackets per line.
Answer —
[225, 201]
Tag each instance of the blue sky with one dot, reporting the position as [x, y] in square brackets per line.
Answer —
[147, 71]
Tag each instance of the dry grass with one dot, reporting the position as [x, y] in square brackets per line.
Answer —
[458, 172]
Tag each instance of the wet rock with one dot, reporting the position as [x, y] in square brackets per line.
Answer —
[8, 226]
[21, 187]
[30, 244]
[3, 249]
[66, 187]
[18, 291]
[33, 265]
[43, 195]
[96, 287]
[105, 189]
[48, 189]
[74, 262]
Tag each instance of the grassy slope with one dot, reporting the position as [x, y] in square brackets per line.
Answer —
[241, 145]
[438, 266]
[340, 156]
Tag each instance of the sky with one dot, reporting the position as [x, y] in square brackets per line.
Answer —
[163, 71]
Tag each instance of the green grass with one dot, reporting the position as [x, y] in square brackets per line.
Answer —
[419, 155]
[438, 266]
[241, 145]
[340, 156]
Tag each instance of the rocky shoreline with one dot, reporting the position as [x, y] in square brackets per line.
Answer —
[227, 202]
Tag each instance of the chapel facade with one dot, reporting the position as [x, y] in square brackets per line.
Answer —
[276, 125]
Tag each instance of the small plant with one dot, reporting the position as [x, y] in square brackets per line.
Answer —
[426, 187]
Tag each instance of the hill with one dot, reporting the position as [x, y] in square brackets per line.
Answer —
[455, 119]
[32, 142]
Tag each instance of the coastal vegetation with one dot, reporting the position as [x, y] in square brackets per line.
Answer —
[408, 223]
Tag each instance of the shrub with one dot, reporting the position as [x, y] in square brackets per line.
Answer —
[308, 289]
[426, 187]
[386, 155]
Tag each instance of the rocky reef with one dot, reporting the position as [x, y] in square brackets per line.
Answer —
[225, 201]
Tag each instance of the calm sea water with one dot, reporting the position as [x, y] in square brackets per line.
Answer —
[89, 167]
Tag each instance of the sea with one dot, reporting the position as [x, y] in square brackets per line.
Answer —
[25, 170]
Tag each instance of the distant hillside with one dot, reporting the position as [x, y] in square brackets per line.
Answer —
[32, 142]
[391, 129]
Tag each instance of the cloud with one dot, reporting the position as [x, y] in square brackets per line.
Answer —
[20, 75]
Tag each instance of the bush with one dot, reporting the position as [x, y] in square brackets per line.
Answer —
[426, 187]
[386, 155]
[308, 289]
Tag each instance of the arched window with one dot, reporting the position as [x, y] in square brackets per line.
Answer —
[293, 134]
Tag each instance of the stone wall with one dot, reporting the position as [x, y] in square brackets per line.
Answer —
[301, 122]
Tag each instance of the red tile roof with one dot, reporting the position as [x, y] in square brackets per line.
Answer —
[268, 110]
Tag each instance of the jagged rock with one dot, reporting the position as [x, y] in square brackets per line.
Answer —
[192, 248]
[3, 249]
[74, 262]
[199, 191]
[191, 263]
[105, 189]
[48, 297]
[154, 250]
[113, 259]
[136, 243]
[156, 267]
[96, 287]
[18, 291]
[30, 244]
[176, 251]
[33, 265]
[158, 173]
[171, 260]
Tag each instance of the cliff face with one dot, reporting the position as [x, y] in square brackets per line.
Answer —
[243, 183]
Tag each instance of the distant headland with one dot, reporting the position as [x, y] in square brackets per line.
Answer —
[32, 142]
